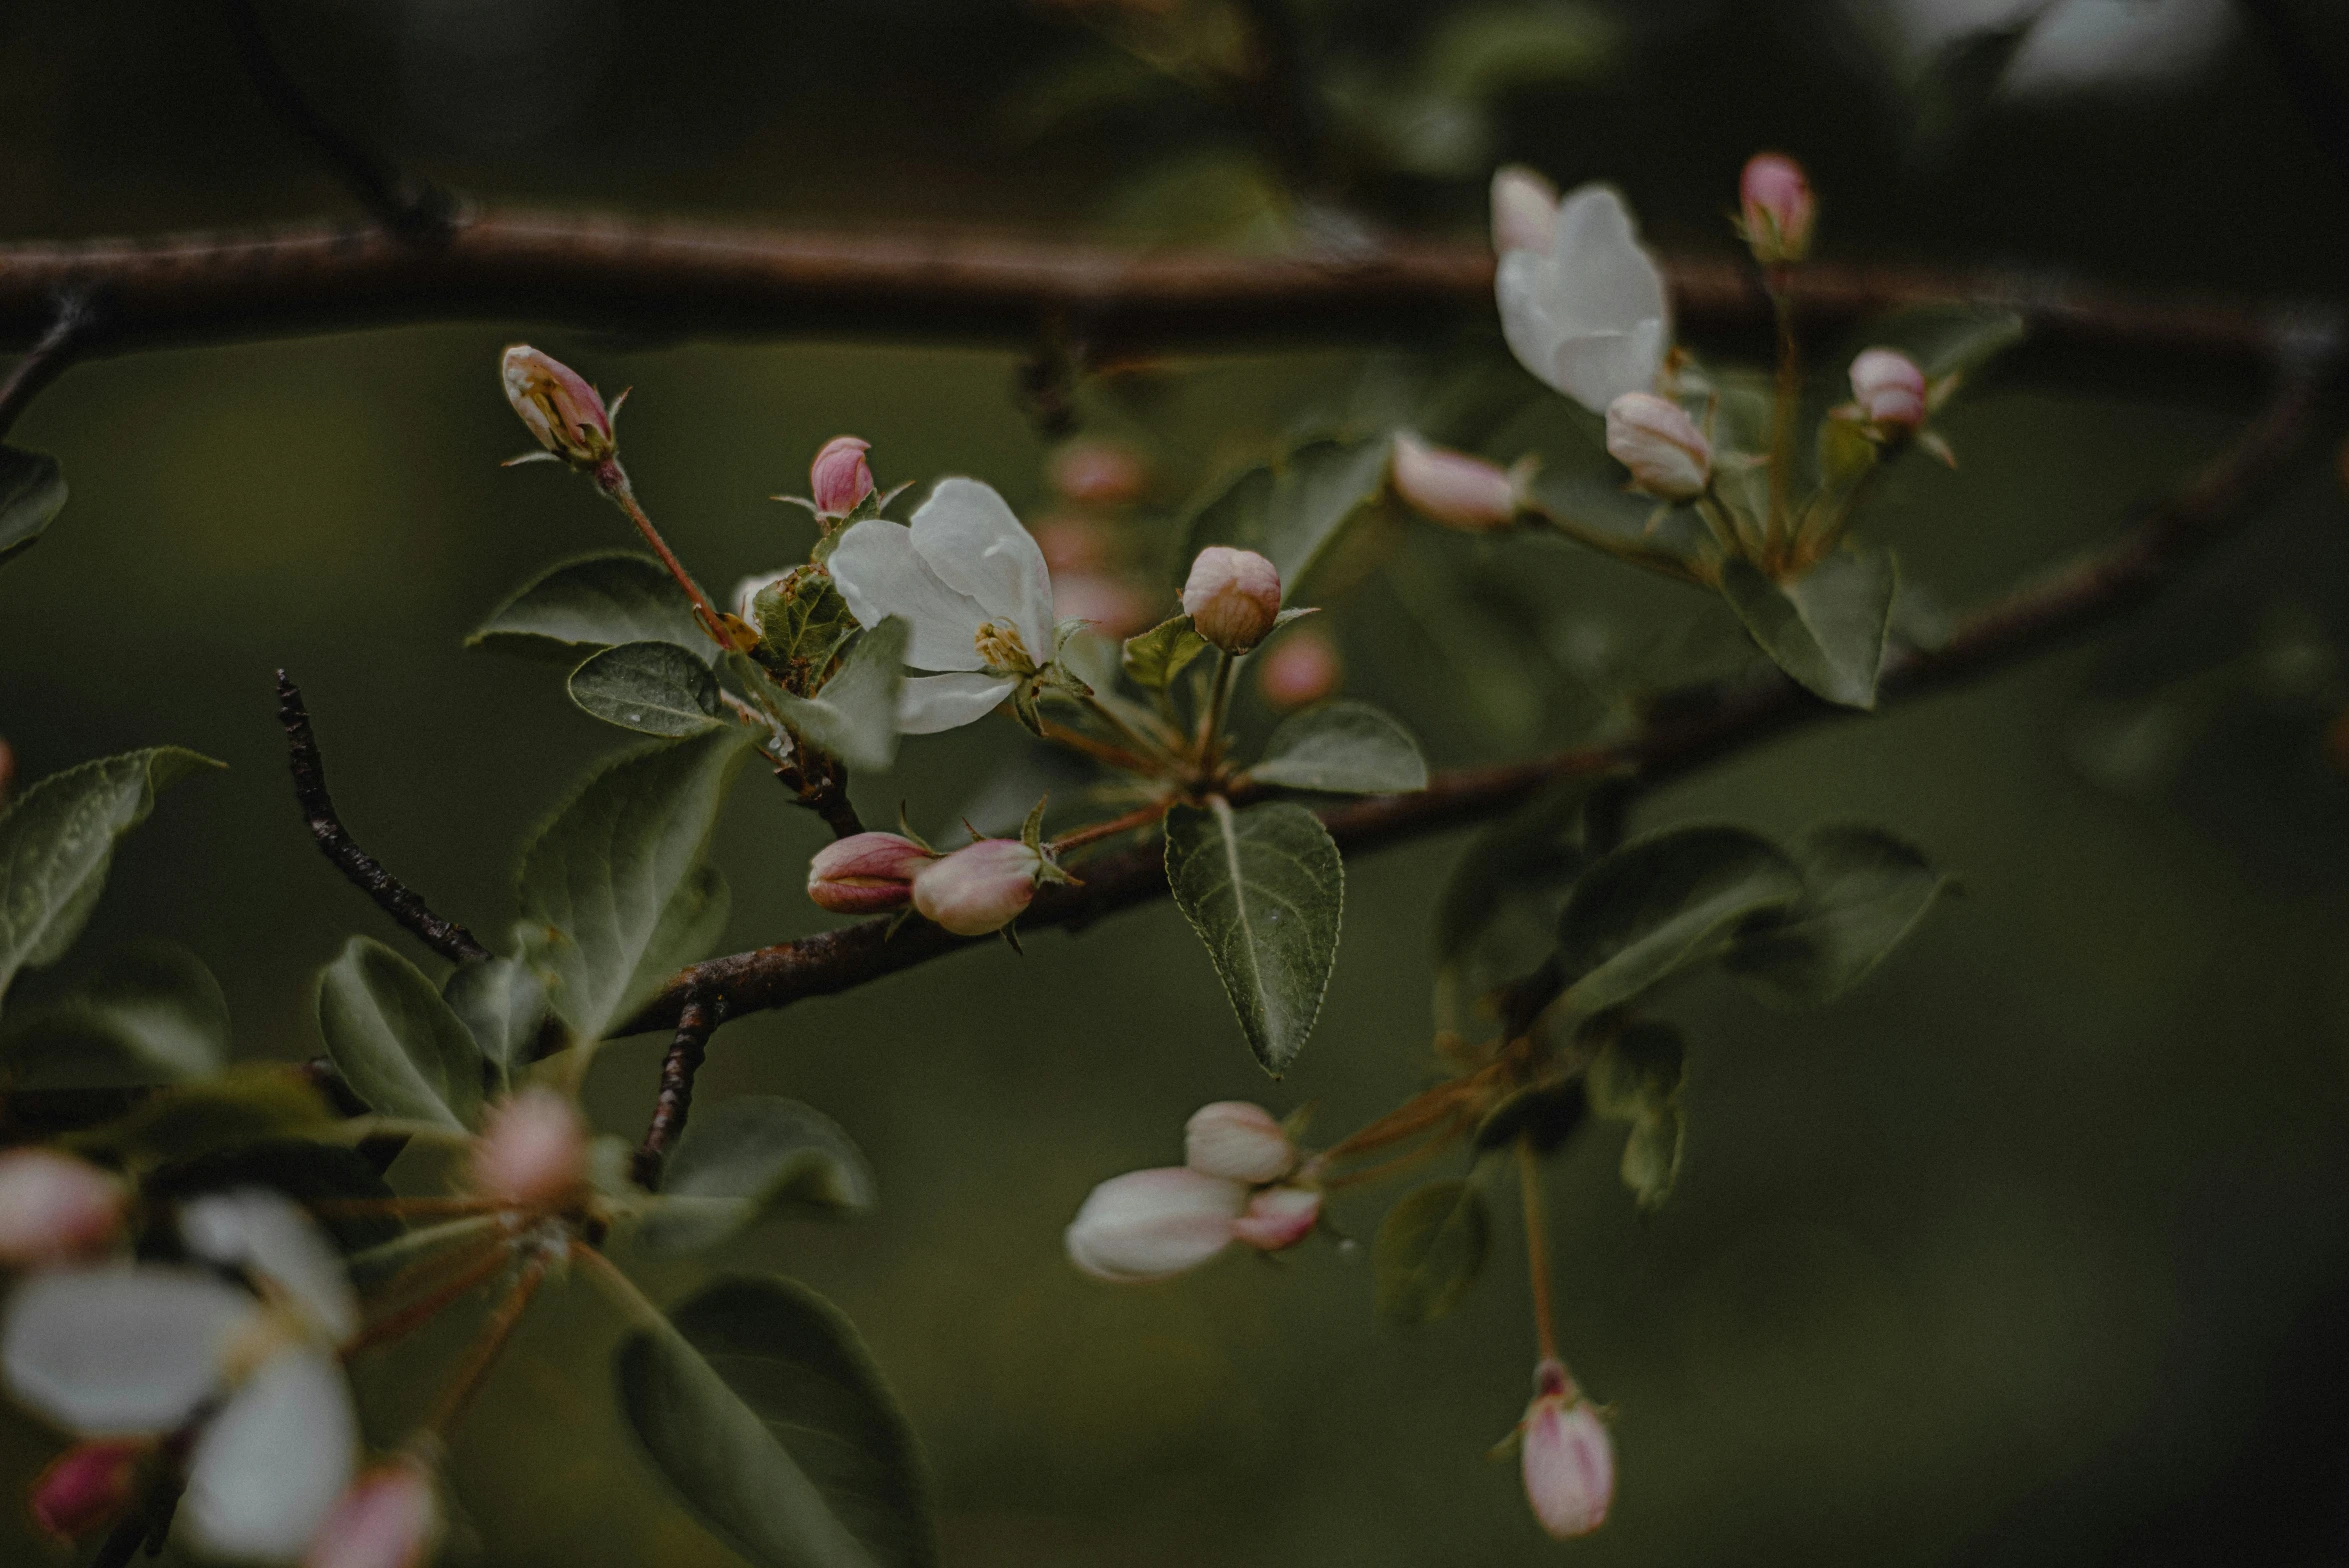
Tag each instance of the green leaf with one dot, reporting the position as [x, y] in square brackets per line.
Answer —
[765, 1411]
[1344, 747]
[1293, 510]
[1153, 659]
[855, 716]
[1663, 905]
[1497, 917]
[803, 622]
[614, 892]
[153, 1014]
[653, 688]
[1264, 888]
[1825, 628]
[32, 491]
[1865, 891]
[594, 601]
[502, 1004]
[57, 840]
[396, 1043]
[743, 1158]
[1636, 1078]
[1430, 1249]
[242, 1105]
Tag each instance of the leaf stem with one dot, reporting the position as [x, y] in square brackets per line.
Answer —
[416, 1314]
[1219, 701]
[468, 1381]
[1139, 817]
[1537, 1247]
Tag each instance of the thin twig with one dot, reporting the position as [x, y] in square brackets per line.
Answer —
[696, 1022]
[50, 357]
[445, 937]
[501, 1327]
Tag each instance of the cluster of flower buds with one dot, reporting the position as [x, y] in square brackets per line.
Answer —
[1239, 1183]
[566, 414]
[1566, 1457]
[977, 889]
[1233, 597]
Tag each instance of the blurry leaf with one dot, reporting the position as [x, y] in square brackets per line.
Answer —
[802, 622]
[1948, 339]
[1430, 1249]
[1227, 200]
[614, 891]
[152, 1014]
[744, 1157]
[396, 1043]
[765, 1411]
[1864, 891]
[308, 1173]
[1545, 1115]
[653, 688]
[1475, 53]
[249, 1104]
[1825, 628]
[1344, 747]
[1154, 658]
[502, 1004]
[56, 841]
[32, 491]
[1636, 1078]
[1497, 916]
[854, 717]
[1663, 905]
[1292, 511]
[1264, 888]
[594, 601]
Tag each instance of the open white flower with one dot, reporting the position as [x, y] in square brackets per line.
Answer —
[973, 585]
[1586, 313]
[136, 1349]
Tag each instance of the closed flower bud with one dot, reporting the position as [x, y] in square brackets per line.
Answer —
[1668, 456]
[87, 1487]
[54, 1207]
[1525, 210]
[1098, 473]
[1774, 197]
[1568, 1459]
[1301, 669]
[389, 1518]
[838, 479]
[561, 409]
[979, 888]
[1278, 1218]
[1239, 1142]
[532, 1152]
[1148, 1225]
[1889, 388]
[1232, 597]
[865, 873]
[1453, 488]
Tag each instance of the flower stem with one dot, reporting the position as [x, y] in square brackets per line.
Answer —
[1139, 817]
[418, 1313]
[1219, 701]
[1537, 1246]
[415, 1247]
[467, 1382]
[613, 481]
[1783, 417]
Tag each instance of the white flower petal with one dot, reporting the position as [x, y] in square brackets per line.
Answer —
[266, 1470]
[1590, 318]
[266, 1232]
[930, 703]
[969, 537]
[1611, 283]
[121, 1350]
[1150, 1225]
[877, 572]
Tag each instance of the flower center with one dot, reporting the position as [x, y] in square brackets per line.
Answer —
[1001, 647]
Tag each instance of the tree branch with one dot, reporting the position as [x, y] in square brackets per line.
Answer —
[696, 1022]
[1687, 728]
[445, 937]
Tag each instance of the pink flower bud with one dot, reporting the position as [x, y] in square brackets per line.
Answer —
[838, 479]
[1239, 1142]
[1232, 597]
[532, 1152]
[1301, 669]
[389, 1518]
[865, 872]
[1525, 210]
[1278, 1218]
[1110, 605]
[979, 888]
[1072, 543]
[1889, 388]
[1154, 1224]
[1098, 473]
[54, 1208]
[561, 409]
[1453, 488]
[1778, 208]
[1569, 1461]
[1668, 456]
[87, 1487]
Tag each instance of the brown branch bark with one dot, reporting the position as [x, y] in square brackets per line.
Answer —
[1688, 728]
[696, 1022]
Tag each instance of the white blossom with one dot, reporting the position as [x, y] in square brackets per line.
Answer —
[1587, 314]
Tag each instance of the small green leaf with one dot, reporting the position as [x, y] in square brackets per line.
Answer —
[1265, 889]
[57, 840]
[502, 1004]
[1636, 1078]
[1663, 905]
[1293, 511]
[1865, 891]
[1825, 628]
[653, 688]
[396, 1043]
[765, 1411]
[1497, 917]
[803, 622]
[747, 1156]
[855, 716]
[614, 892]
[153, 1014]
[32, 491]
[1154, 658]
[1430, 1249]
[594, 601]
[1344, 747]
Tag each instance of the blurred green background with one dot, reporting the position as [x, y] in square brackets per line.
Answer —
[2034, 1250]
